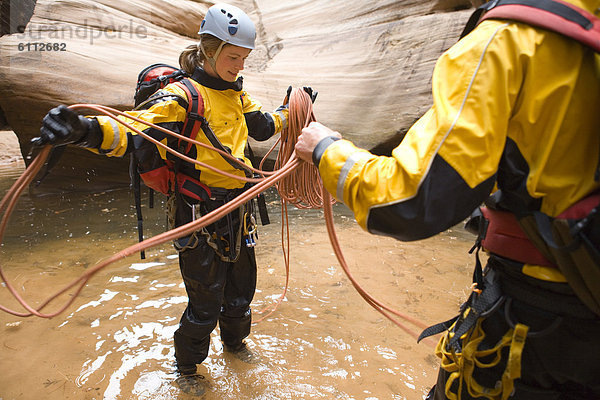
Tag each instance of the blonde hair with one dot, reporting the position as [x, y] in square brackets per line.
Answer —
[192, 56]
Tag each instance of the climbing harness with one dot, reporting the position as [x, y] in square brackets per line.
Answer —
[461, 364]
[462, 349]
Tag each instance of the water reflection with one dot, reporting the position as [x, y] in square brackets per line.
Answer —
[115, 342]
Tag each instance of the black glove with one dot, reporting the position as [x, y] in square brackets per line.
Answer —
[63, 126]
[287, 95]
[307, 89]
[311, 93]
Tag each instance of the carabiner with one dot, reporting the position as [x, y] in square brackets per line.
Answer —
[252, 235]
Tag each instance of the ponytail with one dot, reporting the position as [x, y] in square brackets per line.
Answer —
[193, 57]
[190, 58]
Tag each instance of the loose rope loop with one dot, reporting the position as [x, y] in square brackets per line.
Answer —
[10, 199]
[297, 182]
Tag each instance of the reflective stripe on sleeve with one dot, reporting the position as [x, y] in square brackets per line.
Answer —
[284, 122]
[345, 171]
[116, 134]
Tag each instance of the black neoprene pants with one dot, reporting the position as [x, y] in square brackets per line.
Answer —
[561, 364]
[218, 291]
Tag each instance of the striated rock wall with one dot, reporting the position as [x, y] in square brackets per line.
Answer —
[371, 64]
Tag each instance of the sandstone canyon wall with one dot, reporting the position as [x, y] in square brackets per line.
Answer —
[371, 63]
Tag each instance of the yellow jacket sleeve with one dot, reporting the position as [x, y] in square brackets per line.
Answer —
[167, 112]
[263, 125]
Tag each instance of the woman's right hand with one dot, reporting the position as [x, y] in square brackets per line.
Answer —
[62, 126]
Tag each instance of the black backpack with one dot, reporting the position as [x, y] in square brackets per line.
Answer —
[153, 78]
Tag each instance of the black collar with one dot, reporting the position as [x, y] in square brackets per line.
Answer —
[205, 79]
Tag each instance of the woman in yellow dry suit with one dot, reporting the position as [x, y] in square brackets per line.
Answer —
[218, 269]
[517, 107]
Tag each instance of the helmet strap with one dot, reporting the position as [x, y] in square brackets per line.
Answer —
[213, 60]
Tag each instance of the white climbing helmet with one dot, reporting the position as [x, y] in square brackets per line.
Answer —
[230, 24]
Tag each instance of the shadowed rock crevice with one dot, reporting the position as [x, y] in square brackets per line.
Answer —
[450, 5]
[268, 45]
[3, 122]
[15, 15]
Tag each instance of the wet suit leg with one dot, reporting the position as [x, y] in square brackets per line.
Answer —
[217, 291]
[204, 276]
[236, 316]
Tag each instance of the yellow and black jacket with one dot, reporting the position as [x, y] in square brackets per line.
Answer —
[514, 107]
[230, 112]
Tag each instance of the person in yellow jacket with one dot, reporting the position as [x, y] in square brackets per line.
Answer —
[218, 268]
[514, 108]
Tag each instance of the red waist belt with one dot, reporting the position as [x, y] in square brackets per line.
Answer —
[505, 238]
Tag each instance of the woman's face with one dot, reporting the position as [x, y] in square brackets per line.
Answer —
[230, 62]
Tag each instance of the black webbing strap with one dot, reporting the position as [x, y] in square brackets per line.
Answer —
[193, 188]
[479, 305]
[136, 186]
[475, 17]
[260, 198]
[437, 328]
[262, 209]
[150, 198]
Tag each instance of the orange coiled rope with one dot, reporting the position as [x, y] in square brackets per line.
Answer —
[303, 187]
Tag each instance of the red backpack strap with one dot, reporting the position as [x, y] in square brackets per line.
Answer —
[554, 15]
[193, 188]
[195, 112]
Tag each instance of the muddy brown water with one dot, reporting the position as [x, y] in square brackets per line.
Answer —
[115, 342]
